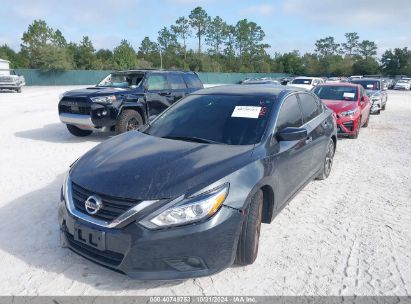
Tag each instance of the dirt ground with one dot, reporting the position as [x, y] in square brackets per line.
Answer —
[349, 234]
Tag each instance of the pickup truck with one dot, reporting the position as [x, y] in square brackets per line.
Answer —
[124, 100]
[9, 80]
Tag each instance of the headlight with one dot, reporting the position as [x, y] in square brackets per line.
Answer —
[188, 210]
[104, 99]
[349, 113]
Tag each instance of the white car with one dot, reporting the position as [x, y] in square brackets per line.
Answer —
[9, 80]
[305, 82]
[402, 85]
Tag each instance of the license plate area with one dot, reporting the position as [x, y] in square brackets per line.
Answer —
[91, 237]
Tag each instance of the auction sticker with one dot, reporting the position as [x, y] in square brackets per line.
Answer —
[246, 112]
[348, 95]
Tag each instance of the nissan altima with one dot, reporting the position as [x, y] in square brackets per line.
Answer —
[185, 195]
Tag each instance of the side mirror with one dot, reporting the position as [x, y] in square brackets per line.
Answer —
[290, 134]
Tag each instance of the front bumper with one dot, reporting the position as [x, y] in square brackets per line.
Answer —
[9, 86]
[347, 125]
[182, 252]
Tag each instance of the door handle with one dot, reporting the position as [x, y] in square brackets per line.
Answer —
[308, 139]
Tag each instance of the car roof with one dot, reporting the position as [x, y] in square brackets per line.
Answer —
[153, 70]
[333, 84]
[367, 79]
[248, 90]
[306, 77]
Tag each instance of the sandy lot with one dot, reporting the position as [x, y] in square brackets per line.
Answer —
[349, 234]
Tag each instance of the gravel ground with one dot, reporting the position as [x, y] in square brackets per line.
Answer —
[349, 234]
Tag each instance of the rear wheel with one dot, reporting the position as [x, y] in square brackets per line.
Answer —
[328, 162]
[77, 131]
[247, 247]
[128, 120]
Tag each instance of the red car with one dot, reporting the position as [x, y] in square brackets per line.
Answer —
[350, 104]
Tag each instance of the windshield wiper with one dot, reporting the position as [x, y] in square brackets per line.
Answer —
[193, 139]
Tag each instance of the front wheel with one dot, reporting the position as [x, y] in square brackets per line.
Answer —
[247, 247]
[18, 90]
[128, 120]
[367, 121]
[357, 131]
[77, 131]
[328, 162]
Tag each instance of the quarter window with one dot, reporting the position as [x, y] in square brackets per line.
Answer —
[290, 114]
[192, 81]
[310, 107]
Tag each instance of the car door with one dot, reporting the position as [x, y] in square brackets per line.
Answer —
[177, 85]
[291, 158]
[158, 93]
[316, 124]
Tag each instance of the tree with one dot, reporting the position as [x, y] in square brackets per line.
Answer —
[35, 38]
[216, 34]
[167, 41]
[367, 48]
[182, 30]
[124, 56]
[199, 21]
[350, 47]
[249, 37]
[54, 58]
[365, 66]
[397, 62]
[291, 63]
[326, 46]
[104, 59]
[85, 58]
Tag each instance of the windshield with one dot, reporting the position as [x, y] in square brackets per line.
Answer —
[302, 81]
[232, 120]
[368, 84]
[122, 80]
[336, 92]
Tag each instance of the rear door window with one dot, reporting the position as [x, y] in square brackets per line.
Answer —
[311, 108]
[176, 82]
[157, 82]
[192, 81]
[290, 114]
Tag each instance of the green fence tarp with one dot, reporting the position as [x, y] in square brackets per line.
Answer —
[86, 77]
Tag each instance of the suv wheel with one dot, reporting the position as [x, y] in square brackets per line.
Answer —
[128, 120]
[247, 247]
[18, 90]
[77, 131]
[328, 162]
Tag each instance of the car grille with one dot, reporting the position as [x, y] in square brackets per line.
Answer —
[107, 257]
[112, 207]
[6, 79]
[349, 125]
[75, 105]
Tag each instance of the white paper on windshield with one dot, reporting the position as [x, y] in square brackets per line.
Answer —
[348, 95]
[370, 86]
[246, 112]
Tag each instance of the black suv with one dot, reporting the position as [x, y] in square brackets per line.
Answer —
[124, 100]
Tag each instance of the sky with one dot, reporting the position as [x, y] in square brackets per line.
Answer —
[288, 24]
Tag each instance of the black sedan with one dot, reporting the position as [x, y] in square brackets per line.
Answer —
[186, 196]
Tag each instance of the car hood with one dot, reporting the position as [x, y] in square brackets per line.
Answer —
[139, 166]
[97, 91]
[339, 105]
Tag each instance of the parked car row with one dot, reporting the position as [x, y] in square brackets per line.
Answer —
[185, 194]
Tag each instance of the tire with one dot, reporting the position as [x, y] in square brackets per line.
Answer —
[367, 121]
[357, 132]
[78, 132]
[383, 107]
[328, 161]
[378, 112]
[247, 247]
[18, 90]
[128, 120]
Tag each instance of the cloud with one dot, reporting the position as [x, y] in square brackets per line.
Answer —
[258, 10]
[351, 12]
